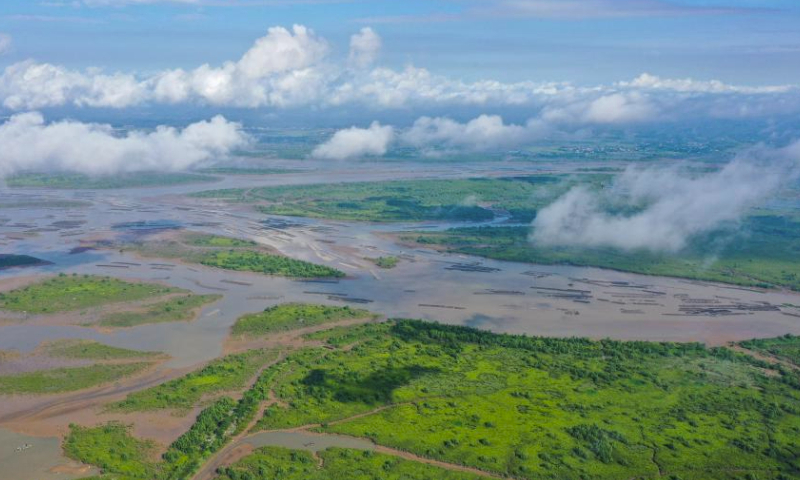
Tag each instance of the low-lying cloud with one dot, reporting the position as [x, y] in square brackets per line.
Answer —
[29, 143]
[356, 142]
[674, 206]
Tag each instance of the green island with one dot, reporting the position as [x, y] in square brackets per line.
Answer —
[336, 463]
[474, 199]
[68, 379]
[231, 254]
[65, 293]
[8, 260]
[179, 309]
[225, 374]
[764, 253]
[510, 406]
[46, 203]
[232, 170]
[292, 316]
[90, 350]
[385, 262]
[79, 181]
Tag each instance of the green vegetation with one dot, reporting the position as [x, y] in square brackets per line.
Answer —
[764, 253]
[291, 316]
[69, 379]
[232, 254]
[113, 449]
[46, 203]
[90, 350]
[121, 180]
[173, 310]
[337, 463]
[385, 262]
[473, 199]
[11, 261]
[786, 347]
[218, 241]
[225, 374]
[268, 264]
[66, 293]
[548, 408]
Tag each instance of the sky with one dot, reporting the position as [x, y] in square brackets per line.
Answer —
[520, 67]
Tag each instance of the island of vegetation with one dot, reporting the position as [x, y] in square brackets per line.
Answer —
[763, 252]
[8, 260]
[99, 364]
[475, 199]
[176, 309]
[292, 316]
[230, 254]
[78, 181]
[385, 262]
[65, 293]
[480, 404]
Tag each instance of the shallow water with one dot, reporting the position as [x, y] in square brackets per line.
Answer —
[41, 460]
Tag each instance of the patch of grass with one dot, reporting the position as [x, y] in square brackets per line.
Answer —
[385, 262]
[114, 450]
[91, 350]
[268, 264]
[66, 293]
[232, 254]
[225, 374]
[786, 347]
[120, 180]
[70, 379]
[173, 310]
[473, 199]
[337, 464]
[291, 316]
[218, 241]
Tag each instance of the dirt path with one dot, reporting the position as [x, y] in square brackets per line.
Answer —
[764, 357]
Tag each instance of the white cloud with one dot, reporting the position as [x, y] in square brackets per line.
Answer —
[654, 82]
[675, 205]
[485, 132]
[5, 43]
[291, 68]
[356, 142]
[364, 48]
[31, 144]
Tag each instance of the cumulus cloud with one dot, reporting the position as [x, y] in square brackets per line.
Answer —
[485, 132]
[674, 207]
[29, 143]
[292, 68]
[5, 43]
[364, 48]
[356, 142]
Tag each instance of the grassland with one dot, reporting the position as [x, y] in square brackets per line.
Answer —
[123, 180]
[232, 254]
[182, 394]
[178, 309]
[765, 252]
[90, 350]
[786, 347]
[385, 262]
[112, 448]
[67, 293]
[548, 408]
[522, 407]
[476, 199]
[291, 316]
[68, 379]
[337, 464]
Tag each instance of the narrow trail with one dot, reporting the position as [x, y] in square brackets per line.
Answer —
[765, 357]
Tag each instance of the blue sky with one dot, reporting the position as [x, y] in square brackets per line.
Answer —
[743, 42]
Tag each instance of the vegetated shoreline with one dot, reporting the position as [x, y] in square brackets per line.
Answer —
[28, 261]
[438, 247]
